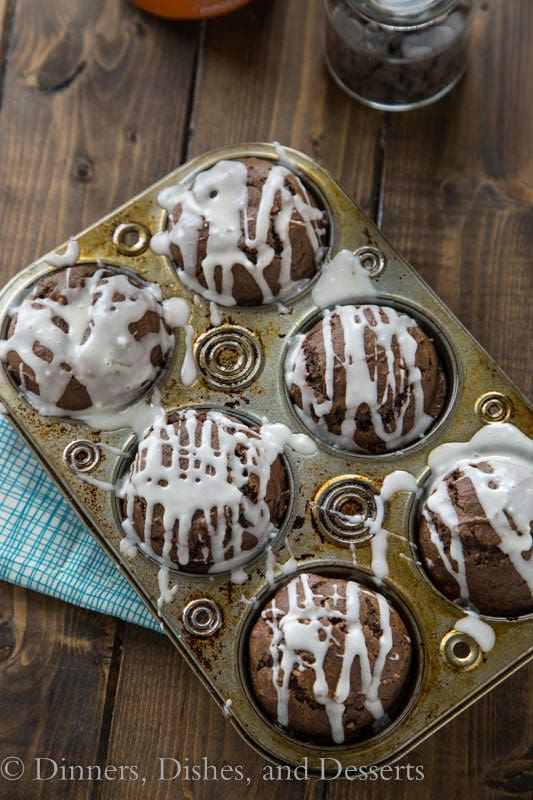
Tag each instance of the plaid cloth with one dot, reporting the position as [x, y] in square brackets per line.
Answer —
[45, 547]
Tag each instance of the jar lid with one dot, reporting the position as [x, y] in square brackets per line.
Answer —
[408, 13]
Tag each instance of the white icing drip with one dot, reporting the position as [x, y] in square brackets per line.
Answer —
[219, 197]
[238, 576]
[480, 631]
[227, 711]
[361, 382]
[342, 278]
[214, 314]
[138, 416]
[167, 592]
[176, 313]
[196, 480]
[506, 497]
[127, 548]
[284, 158]
[110, 362]
[271, 562]
[279, 435]
[397, 481]
[66, 259]
[301, 630]
[500, 437]
[105, 485]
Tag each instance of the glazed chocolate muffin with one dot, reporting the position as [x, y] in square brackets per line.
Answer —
[86, 337]
[476, 535]
[245, 232]
[205, 492]
[329, 659]
[366, 379]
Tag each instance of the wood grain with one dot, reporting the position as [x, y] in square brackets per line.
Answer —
[54, 666]
[94, 107]
[162, 712]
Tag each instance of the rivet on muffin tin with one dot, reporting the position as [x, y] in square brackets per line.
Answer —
[229, 357]
[202, 617]
[342, 506]
[82, 455]
[494, 407]
[460, 651]
[372, 259]
[131, 238]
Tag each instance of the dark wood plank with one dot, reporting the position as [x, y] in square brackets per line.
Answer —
[93, 111]
[162, 712]
[54, 666]
[86, 121]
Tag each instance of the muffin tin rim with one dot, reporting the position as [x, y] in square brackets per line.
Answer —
[72, 415]
[446, 353]
[366, 579]
[303, 286]
[274, 541]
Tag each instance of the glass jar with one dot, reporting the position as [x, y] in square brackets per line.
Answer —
[397, 54]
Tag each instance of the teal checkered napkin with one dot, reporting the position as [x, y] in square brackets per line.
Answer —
[45, 547]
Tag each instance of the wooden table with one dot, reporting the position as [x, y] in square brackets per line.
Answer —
[98, 101]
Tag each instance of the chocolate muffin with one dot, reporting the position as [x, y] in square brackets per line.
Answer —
[366, 378]
[86, 337]
[476, 535]
[205, 491]
[245, 232]
[329, 659]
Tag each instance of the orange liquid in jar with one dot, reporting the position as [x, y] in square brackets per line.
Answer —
[189, 9]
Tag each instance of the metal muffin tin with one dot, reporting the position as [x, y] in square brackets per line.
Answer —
[240, 370]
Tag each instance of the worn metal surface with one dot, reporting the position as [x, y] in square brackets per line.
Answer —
[445, 680]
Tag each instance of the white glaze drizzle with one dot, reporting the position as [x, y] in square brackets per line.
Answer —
[397, 481]
[200, 484]
[227, 710]
[301, 630]
[215, 317]
[361, 382]
[66, 259]
[343, 278]
[505, 495]
[219, 197]
[271, 563]
[111, 363]
[480, 631]
[284, 158]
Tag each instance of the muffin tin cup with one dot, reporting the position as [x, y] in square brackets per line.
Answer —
[209, 616]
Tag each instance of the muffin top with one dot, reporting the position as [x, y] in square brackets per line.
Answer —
[328, 658]
[476, 535]
[244, 232]
[365, 378]
[87, 337]
[205, 491]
